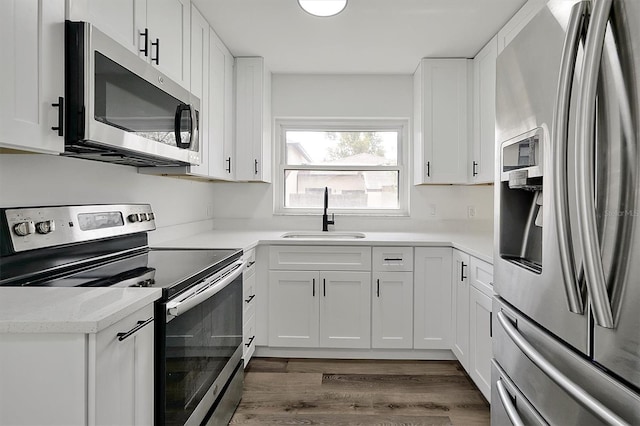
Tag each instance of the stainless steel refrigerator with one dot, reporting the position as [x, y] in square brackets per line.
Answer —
[566, 321]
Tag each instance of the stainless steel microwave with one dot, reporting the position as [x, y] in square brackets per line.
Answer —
[120, 109]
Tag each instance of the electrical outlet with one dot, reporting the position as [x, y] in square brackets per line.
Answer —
[432, 209]
[471, 211]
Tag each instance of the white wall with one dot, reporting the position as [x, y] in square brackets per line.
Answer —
[37, 180]
[336, 96]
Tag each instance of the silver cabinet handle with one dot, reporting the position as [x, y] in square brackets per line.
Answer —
[505, 399]
[138, 326]
[593, 268]
[575, 30]
[572, 389]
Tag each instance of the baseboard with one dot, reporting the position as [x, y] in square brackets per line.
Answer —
[390, 354]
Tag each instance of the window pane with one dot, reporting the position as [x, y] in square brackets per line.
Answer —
[340, 147]
[347, 189]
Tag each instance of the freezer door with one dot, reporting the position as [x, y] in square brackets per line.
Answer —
[527, 88]
[617, 190]
[564, 387]
[508, 405]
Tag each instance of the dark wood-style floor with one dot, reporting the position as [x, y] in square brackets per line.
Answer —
[281, 391]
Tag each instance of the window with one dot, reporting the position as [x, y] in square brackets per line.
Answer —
[360, 162]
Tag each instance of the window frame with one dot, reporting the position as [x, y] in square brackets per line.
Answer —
[400, 125]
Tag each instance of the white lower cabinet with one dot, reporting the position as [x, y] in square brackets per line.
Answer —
[460, 307]
[432, 298]
[249, 303]
[345, 309]
[319, 309]
[392, 310]
[104, 378]
[123, 372]
[392, 298]
[480, 318]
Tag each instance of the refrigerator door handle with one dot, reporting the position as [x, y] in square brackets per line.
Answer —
[566, 384]
[593, 267]
[575, 30]
[510, 409]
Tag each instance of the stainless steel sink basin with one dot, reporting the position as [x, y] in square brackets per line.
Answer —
[319, 235]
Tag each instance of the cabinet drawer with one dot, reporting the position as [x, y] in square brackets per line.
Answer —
[320, 258]
[248, 339]
[250, 257]
[393, 259]
[481, 275]
[248, 291]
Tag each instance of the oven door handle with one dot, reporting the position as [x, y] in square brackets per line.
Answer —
[202, 292]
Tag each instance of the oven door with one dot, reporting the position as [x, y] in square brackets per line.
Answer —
[200, 347]
[119, 102]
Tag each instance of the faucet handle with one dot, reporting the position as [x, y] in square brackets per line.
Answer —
[333, 220]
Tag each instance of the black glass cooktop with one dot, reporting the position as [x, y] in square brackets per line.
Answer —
[173, 270]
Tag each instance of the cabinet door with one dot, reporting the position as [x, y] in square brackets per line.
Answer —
[221, 157]
[461, 307]
[345, 309]
[121, 372]
[253, 120]
[122, 20]
[200, 83]
[32, 74]
[169, 22]
[480, 341]
[392, 310]
[432, 298]
[294, 313]
[441, 120]
[484, 114]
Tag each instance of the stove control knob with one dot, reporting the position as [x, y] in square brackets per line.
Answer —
[24, 228]
[151, 216]
[133, 218]
[45, 227]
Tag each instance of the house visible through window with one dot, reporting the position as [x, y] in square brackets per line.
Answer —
[360, 163]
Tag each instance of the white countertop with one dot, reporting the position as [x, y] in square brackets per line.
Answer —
[68, 310]
[478, 244]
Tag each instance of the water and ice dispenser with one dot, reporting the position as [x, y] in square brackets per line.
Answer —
[521, 207]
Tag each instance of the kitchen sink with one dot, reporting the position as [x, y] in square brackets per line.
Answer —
[319, 235]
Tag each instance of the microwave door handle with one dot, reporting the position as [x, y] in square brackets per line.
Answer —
[593, 267]
[575, 30]
[178, 126]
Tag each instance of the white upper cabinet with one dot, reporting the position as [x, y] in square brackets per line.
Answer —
[253, 120]
[441, 120]
[122, 20]
[518, 22]
[32, 75]
[156, 30]
[200, 85]
[169, 36]
[221, 149]
[484, 114]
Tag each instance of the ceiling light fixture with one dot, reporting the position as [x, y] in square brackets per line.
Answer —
[323, 7]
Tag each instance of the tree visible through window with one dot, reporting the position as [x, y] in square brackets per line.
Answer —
[359, 165]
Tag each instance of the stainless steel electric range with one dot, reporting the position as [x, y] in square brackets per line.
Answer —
[198, 320]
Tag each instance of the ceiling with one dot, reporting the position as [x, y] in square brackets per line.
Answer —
[368, 37]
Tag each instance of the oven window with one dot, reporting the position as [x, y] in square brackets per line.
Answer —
[130, 103]
[199, 343]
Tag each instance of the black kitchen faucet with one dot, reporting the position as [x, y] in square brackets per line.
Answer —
[325, 218]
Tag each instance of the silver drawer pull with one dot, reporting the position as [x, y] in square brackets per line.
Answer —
[505, 398]
[139, 325]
